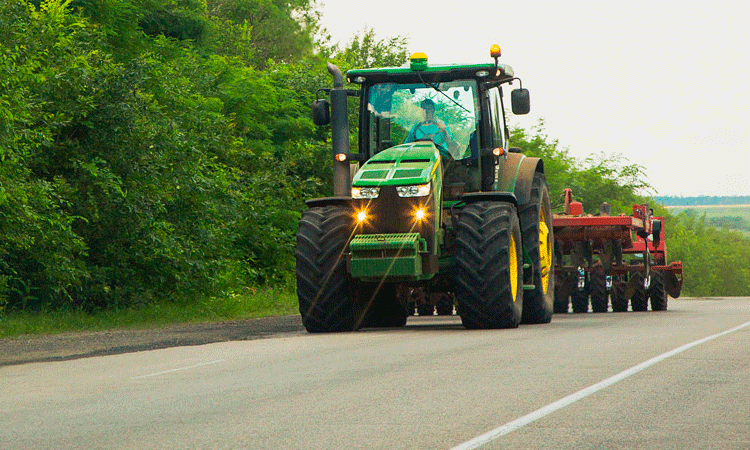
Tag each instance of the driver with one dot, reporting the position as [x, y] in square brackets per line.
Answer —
[431, 129]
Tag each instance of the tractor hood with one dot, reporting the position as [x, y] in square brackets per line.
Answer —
[405, 164]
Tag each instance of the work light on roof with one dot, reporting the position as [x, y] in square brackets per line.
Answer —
[418, 61]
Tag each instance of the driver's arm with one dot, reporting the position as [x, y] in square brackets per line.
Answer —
[447, 138]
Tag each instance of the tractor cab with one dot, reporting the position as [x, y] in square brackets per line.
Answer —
[459, 108]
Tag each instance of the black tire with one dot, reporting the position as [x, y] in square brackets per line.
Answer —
[562, 299]
[323, 284]
[598, 292]
[444, 305]
[580, 298]
[381, 305]
[619, 302]
[658, 292]
[639, 300]
[425, 309]
[488, 255]
[538, 241]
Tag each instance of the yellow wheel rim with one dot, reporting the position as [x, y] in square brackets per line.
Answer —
[513, 264]
[545, 250]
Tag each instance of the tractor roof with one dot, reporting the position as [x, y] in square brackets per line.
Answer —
[418, 69]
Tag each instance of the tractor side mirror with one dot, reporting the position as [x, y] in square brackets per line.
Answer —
[321, 112]
[519, 100]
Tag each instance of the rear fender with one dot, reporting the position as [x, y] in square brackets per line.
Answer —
[518, 174]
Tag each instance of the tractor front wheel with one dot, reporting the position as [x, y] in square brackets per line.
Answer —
[323, 284]
[489, 266]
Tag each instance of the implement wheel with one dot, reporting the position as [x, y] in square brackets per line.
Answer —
[579, 298]
[444, 305]
[323, 284]
[639, 300]
[598, 292]
[658, 292]
[536, 228]
[489, 266]
[381, 305]
[619, 302]
[562, 294]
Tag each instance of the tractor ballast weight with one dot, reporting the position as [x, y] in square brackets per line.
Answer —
[440, 213]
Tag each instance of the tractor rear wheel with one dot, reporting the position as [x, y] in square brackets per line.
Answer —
[536, 228]
[323, 284]
[489, 266]
[658, 292]
[598, 292]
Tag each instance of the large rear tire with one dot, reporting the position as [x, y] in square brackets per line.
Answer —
[323, 284]
[489, 266]
[538, 241]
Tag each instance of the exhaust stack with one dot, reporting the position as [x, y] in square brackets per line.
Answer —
[342, 182]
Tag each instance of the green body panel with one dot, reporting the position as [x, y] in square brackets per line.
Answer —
[375, 256]
[458, 70]
[405, 164]
[387, 255]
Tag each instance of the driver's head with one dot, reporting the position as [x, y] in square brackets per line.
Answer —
[429, 108]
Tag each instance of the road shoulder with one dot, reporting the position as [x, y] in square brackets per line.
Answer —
[66, 346]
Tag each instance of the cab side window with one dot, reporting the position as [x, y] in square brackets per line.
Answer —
[496, 118]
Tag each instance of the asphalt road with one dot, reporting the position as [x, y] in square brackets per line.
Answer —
[668, 380]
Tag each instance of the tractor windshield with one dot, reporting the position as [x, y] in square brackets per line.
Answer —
[448, 116]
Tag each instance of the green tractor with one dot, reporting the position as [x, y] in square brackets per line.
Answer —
[436, 210]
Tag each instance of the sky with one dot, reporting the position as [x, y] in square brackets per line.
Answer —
[664, 84]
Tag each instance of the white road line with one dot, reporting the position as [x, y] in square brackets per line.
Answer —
[178, 369]
[583, 393]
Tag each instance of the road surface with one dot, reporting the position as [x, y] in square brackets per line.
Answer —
[668, 380]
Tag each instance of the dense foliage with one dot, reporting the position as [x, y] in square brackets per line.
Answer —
[162, 149]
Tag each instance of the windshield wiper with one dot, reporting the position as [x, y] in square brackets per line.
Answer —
[433, 86]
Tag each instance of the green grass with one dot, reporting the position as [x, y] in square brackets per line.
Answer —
[719, 215]
[257, 302]
[715, 211]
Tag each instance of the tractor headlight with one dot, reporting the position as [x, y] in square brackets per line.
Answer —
[365, 192]
[417, 190]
